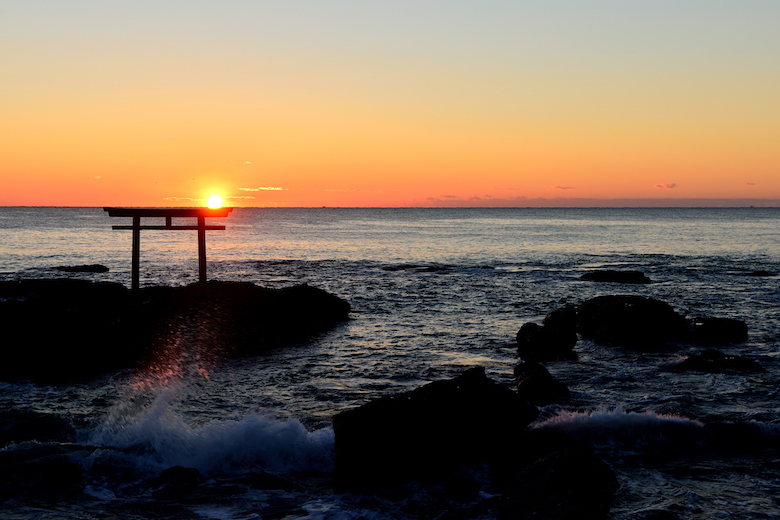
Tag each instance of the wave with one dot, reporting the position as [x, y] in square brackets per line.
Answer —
[157, 437]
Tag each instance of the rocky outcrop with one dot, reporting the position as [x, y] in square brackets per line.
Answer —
[610, 276]
[537, 386]
[716, 331]
[630, 321]
[59, 330]
[88, 268]
[567, 484]
[715, 361]
[426, 432]
[551, 341]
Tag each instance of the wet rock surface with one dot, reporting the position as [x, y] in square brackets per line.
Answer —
[536, 385]
[426, 432]
[59, 330]
[715, 361]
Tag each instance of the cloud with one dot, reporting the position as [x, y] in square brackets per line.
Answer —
[667, 186]
[177, 199]
[264, 188]
[564, 187]
[239, 197]
[750, 183]
[450, 197]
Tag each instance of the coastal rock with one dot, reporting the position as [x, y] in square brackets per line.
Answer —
[610, 276]
[48, 471]
[715, 361]
[568, 484]
[551, 341]
[760, 274]
[25, 425]
[630, 321]
[88, 268]
[71, 329]
[427, 431]
[529, 446]
[176, 483]
[537, 386]
[716, 331]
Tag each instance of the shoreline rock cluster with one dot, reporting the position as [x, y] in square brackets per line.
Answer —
[60, 330]
[623, 321]
[432, 433]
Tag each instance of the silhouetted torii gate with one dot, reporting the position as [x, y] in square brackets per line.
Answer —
[168, 213]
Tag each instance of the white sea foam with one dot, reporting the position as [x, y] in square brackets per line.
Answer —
[605, 426]
[158, 436]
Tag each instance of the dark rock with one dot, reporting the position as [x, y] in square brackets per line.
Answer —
[25, 425]
[73, 329]
[760, 273]
[537, 386]
[716, 331]
[715, 361]
[554, 340]
[634, 277]
[529, 446]
[571, 484]
[426, 432]
[176, 483]
[630, 321]
[47, 471]
[89, 268]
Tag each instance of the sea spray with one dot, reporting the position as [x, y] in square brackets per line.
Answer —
[614, 429]
[152, 432]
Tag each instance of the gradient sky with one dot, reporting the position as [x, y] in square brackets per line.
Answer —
[361, 103]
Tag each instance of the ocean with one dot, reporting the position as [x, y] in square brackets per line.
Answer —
[433, 292]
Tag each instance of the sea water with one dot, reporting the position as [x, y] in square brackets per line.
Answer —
[433, 292]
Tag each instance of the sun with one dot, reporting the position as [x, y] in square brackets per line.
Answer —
[215, 201]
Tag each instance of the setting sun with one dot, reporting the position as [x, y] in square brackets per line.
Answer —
[215, 201]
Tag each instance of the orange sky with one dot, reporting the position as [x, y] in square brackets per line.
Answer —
[348, 104]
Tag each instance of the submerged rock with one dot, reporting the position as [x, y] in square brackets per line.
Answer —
[551, 341]
[630, 321]
[537, 386]
[425, 432]
[715, 361]
[610, 276]
[60, 330]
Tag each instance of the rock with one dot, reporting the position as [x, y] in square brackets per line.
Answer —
[176, 483]
[760, 273]
[529, 446]
[634, 277]
[25, 425]
[425, 432]
[537, 386]
[552, 341]
[73, 329]
[89, 268]
[47, 471]
[564, 485]
[716, 331]
[715, 361]
[630, 321]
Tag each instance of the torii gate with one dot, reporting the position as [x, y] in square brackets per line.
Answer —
[168, 213]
